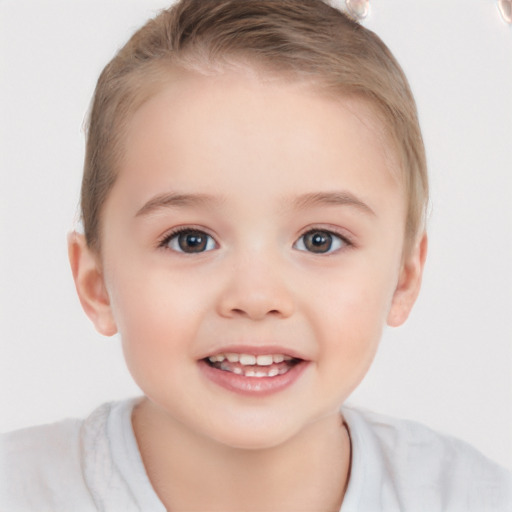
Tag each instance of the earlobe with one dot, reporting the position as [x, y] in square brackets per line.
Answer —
[409, 283]
[90, 285]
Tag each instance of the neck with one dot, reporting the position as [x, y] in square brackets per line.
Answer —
[308, 472]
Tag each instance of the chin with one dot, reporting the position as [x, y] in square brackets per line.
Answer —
[254, 441]
[253, 435]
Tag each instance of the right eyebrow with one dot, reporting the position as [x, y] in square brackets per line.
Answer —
[337, 198]
[172, 200]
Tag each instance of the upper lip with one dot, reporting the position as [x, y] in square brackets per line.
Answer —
[256, 350]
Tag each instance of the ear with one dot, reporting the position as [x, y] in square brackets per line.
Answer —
[409, 283]
[90, 285]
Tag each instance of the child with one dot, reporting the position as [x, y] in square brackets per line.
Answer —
[253, 204]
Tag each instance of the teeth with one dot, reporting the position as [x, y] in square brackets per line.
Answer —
[235, 369]
[250, 365]
[217, 359]
[251, 372]
[264, 360]
[247, 359]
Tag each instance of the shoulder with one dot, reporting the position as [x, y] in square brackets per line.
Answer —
[76, 465]
[34, 463]
[41, 468]
[415, 464]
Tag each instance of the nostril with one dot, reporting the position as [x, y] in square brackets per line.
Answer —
[255, 313]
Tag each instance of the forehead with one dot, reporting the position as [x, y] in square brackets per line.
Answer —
[215, 131]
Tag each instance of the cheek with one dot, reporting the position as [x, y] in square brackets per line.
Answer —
[149, 294]
[351, 340]
[358, 298]
[351, 318]
[157, 324]
[156, 315]
[353, 331]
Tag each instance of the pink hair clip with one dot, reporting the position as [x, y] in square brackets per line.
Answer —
[358, 9]
[505, 8]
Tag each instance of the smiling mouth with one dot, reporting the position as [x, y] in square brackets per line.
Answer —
[249, 365]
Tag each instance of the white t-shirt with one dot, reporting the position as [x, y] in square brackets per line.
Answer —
[95, 465]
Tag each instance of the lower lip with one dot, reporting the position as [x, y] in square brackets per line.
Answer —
[254, 386]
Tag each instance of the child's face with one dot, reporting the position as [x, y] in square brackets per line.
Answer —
[292, 228]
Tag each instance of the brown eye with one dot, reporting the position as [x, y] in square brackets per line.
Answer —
[190, 241]
[319, 242]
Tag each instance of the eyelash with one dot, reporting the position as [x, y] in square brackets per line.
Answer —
[344, 241]
[169, 236]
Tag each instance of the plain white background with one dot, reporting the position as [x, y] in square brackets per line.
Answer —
[450, 366]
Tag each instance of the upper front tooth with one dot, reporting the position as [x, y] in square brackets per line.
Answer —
[264, 360]
[247, 359]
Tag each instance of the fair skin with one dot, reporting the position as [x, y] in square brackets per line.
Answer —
[294, 249]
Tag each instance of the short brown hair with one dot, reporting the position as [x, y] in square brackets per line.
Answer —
[300, 39]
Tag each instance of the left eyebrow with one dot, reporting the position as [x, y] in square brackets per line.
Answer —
[342, 198]
[176, 200]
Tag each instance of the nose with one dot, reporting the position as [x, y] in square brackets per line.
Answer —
[256, 289]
